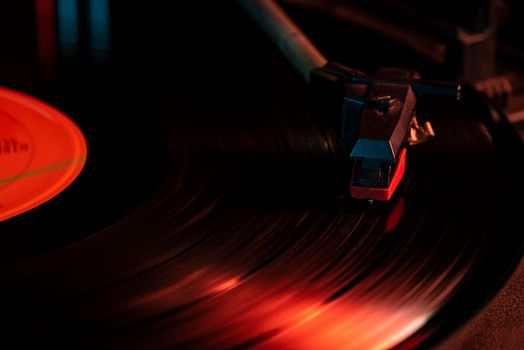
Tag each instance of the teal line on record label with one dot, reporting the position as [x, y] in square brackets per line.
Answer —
[44, 170]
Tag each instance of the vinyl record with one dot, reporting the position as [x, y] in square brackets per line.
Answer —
[212, 210]
[246, 244]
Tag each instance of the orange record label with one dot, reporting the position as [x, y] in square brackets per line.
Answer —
[41, 152]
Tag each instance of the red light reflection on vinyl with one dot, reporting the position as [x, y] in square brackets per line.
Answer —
[395, 216]
[263, 314]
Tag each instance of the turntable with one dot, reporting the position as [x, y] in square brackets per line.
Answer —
[253, 174]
